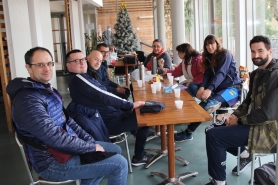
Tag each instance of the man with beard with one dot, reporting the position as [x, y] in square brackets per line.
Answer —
[254, 122]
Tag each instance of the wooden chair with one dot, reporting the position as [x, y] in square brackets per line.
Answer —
[29, 170]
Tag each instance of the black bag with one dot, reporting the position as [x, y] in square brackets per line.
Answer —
[152, 107]
[130, 59]
[92, 157]
[265, 174]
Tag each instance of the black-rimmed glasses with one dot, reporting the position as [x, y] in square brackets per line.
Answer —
[104, 52]
[78, 61]
[41, 65]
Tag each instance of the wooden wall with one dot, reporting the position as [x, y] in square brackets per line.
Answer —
[145, 33]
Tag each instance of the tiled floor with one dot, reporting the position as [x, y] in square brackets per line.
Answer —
[12, 171]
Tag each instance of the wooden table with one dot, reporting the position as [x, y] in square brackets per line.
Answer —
[120, 63]
[190, 113]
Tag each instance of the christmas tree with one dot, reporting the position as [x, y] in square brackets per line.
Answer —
[125, 39]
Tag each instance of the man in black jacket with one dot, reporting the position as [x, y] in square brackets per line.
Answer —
[117, 113]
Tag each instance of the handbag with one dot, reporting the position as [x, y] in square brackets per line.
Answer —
[152, 107]
[61, 157]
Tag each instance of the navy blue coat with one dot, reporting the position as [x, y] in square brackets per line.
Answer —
[90, 120]
[38, 115]
[224, 75]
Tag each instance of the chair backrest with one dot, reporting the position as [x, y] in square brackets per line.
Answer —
[28, 165]
[244, 90]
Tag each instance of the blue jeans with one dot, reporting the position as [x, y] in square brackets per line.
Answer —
[115, 167]
[192, 89]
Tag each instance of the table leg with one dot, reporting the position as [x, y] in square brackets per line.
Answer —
[163, 151]
[172, 178]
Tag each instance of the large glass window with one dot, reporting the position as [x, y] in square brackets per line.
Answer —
[231, 25]
[217, 18]
[206, 20]
[266, 21]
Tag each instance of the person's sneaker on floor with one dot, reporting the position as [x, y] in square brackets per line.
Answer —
[244, 164]
[212, 105]
[183, 136]
[141, 160]
[215, 182]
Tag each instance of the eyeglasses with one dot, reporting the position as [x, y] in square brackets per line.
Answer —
[104, 52]
[41, 65]
[78, 61]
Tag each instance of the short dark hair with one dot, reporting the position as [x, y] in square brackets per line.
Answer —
[158, 40]
[101, 45]
[30, 53]
[261, 38]
[71, 52]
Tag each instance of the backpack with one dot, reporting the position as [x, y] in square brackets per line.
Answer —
[265, 174]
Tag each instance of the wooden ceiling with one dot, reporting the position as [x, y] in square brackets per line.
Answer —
[109, 6]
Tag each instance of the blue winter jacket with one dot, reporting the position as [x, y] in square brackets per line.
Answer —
[104, 77]
[38, 115]
[224, 75]
[87, 91]
[90, 120]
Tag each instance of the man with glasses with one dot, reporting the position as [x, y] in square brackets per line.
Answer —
[88, 93]
[102, 73]
[39, 118]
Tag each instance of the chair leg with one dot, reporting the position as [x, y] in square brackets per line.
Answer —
[214, 116]
[252, 169]
[128, 155]
[260, 163]
[238, 161]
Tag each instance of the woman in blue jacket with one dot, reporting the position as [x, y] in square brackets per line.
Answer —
[218, 85]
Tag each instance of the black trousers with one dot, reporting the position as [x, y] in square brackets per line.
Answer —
[220, 140]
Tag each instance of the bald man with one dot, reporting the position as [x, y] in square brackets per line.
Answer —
[88, 93]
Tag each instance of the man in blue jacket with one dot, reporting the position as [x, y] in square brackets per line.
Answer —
[111, 86]
[117, 113]
[39, 117]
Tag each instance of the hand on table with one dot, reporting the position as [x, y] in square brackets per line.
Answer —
[138, 104]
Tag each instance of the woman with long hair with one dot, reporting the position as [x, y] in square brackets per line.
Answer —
[218, 87]
[190, 67]
[160, 53]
